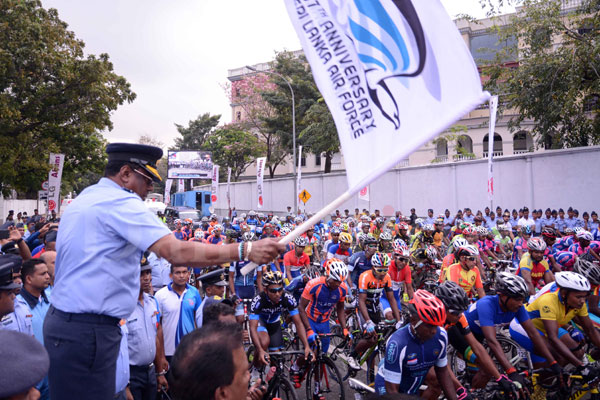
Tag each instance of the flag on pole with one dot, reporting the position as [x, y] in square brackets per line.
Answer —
[228, 182]
[394, 73]
[168, 185]
[54, 178]
[260, 171]
[180, 185]
[299, 181]
[490, 183]
[364, 193]
[214, 186]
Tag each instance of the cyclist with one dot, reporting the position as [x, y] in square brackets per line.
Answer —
[504, 241]
[520, 245]
[296, 259]
[265, 318]
[554, 306]
[341, 251]
[591, 271]
[371, 286]
[400, 274]
[464, 272]
[451, 257]
[532, 267]
[403, 232]
[462, 340]
[412, 350]
[499, 310]
[361, 261]
[549, 237]
[241, 286]
[377, 227]
[334, 235]
[215, 237]
[385, 241]
[423, 238]
[583, 244]
[311, 247]
[485, 251]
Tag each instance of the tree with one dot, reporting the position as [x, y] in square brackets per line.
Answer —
[233, 147]
[150, 141]
[320, 135]
[196, 133]
[52, 98]
[555, 89]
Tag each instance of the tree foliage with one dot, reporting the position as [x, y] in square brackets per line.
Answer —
[52, 98]
[555, 90]
[194, 136]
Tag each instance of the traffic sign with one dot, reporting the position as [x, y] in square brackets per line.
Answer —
[304, 196]
[45, 185]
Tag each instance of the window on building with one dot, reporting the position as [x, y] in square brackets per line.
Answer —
[441, 148]
[484, 47]
[237, 92]
[465, 142]
[303, 161]
[497, 144]
[238, 116]
[522, 142]
[317, 160]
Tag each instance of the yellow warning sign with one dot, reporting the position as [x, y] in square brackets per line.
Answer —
[304, 196]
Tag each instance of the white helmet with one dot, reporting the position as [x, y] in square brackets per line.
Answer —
[460, 242]
[585, 235]
[336, 270]
[572, 280]
[536, 244]
[468, 250]
[482, 230]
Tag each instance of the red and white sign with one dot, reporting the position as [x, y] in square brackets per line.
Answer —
[45, 185]
[260, 172]
[54, 177]
[364, 194]
[493, 110]
[214, 187]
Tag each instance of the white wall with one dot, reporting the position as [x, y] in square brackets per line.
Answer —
[18, 206]
[554, 178]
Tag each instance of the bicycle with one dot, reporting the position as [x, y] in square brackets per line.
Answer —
[278, 385]
[571, 387]
[360, 388]
[319, 372]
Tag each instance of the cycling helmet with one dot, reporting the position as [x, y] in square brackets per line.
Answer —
[379, 220]
[469, 230]
[549, 232]
[232, 233]
[482, 230]
[285, 230]
[272, 278]
[503, 227]
[218, 227]
[361, 237]
[243, 215]
[177, 221]
[345, 227]
[189, 221]
[336, 269]
[431, 252]
[428, 228]
[589, 270]
[430, 286]
[199, 234]
[536, 244]
[298, 220]
[572, 280]
[213, 216]
[468, 250]
[585, 235]
[385, 236]
[526, 230]
[261, 215]
[453, 296]
[511, 285]
[379, 260]
[301, 241]
[459, 242]
[258, 230]
[569, 230]
[335, 231]
[428, 308]
[203, 219]
[370, 239]
[225, 219]
[577, 229]
[365, 218]
[419, 221]
[252, 213]
[249, 236]
[403, 225]
[398, 245]
[312, 272]
[288, 225]
[345, 237]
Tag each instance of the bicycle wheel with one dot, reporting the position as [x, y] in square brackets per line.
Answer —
[514, 353]
[457, 364]
[373, 366]
[324, 379]
[284, 390]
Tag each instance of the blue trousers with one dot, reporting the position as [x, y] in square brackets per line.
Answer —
[83, 350]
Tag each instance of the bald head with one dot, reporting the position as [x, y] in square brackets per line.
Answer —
[49, 258]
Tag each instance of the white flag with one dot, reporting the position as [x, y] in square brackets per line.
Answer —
[364, 193]
[260, 172]
[493, 109]
[54, 177]
[168, 185]
[180, 185]
[228, 182]
[299, 181]
[214, 187]
[394, 74]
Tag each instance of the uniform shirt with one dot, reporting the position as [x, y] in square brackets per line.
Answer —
[37, 307]
[487, 312]
[239, 278]
[179, 314]
[547, 304]
[18, 320]
[399, 277]
[465, 279]
[571, 222]
[537, 270]
[321, 299]
[161, 270]
[102, 236]
[527, 222]
[547, 221]
[181, 235]
[407, 360]
[469, 218]
[335, 251]
[142, 325]
[295, 263]
[122, 375]
[560, 224]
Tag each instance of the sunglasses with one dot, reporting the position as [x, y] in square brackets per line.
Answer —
[149, 180]
[401, 259]
[275, 290]
[470, 258]
[381, 270]
[372, 245]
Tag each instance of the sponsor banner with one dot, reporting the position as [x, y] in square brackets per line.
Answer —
[189, 164]
[260, 172]
[54, 177]
[180, 185]
[214, 187]
[168, 185]
[364, 193]
[493, 110]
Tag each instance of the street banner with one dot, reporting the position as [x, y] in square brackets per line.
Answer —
[214, 186]
[180, 185]
[490, 182]
[168, 185]
[364, 194]
[260, 172]
[228, 182]
[394, 74]
[299, 180]
[54, 177]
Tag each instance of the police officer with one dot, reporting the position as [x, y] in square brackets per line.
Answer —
[7, 288]
[102, 236]
[213, 287]
[145, 341]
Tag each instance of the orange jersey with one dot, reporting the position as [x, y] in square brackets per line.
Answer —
[465, 279]
[373, 287]
[321, 299]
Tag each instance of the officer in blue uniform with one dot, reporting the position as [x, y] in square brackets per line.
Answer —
[102, 236]
[7, 288]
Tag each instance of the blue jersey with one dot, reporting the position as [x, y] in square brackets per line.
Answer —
[487, 312]
[239, 278]
[407, 359]
[263, 310]
[357, 264]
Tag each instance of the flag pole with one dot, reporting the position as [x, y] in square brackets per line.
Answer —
[347, 195]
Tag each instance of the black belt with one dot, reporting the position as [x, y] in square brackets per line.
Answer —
[142, 368]
[86, 318]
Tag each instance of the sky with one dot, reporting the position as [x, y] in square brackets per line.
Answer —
[176, 53]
